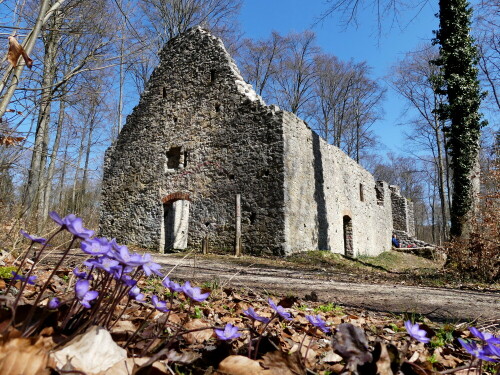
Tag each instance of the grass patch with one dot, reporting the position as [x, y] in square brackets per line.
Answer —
[329, 308]
[400, 262]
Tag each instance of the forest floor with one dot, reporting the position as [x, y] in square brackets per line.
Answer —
[376, 294]
[393, 282]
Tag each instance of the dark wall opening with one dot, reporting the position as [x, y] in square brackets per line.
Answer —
[168, 221]
[348, 247]
[173, 157]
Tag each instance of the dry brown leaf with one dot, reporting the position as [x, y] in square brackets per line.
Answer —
[10, 141]
[239, 365]
[158, 365]
[16, 50]
[466, 371]
[446, 360]
[23, 356]
[384, 361]
[414, 357]
[184, 357]
[281, 363]
[330, 357]
[124, 326]
[197, 337]
[92, 352]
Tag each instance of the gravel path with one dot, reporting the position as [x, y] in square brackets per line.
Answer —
[436, 303]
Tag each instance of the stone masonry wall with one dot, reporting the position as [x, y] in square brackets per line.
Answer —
[324, 189]
[201, 135]
[403, 215]
[199, 130]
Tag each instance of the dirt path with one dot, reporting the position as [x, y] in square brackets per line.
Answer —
[437, 303]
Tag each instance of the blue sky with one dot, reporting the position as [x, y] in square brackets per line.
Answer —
[361, 43]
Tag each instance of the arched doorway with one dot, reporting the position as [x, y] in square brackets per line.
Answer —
[348, 248]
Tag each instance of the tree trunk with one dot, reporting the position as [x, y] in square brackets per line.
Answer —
[87, 158]
[53, 158]
[441, 181]
[63, 177]
[36, 180]
[75, 204]
[28, 44]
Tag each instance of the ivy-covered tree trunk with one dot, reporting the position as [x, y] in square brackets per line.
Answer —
[459, 82]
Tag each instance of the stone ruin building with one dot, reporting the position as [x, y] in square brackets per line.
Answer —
[200, 135]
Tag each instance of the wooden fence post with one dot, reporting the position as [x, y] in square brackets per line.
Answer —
[204, 244]
[237, 239]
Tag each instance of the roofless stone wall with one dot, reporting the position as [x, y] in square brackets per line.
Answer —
[402, 212]
[332, 203]
[199, 130]
[200, 135]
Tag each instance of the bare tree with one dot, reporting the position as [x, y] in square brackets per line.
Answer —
[413, 79]
[83, 47]
[259, 61]
[295, 77]
[13, 75]
[347, 103]
[486, 33]
[169, 18]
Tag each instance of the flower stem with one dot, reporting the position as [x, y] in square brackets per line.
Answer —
[44, 287]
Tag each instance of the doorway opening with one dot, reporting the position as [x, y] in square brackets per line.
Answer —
[176, 224]
[348, 248]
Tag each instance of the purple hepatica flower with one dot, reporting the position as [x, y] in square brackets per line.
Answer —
[280, 310]
[228, 333]
[159, 305]
[485, 336]
[124, 256]
[96, 246]
[128, 281]
[415, 332]
[107, 264]
[83, 294]
[250, 312]
[475, 351]
[54, 303]
[31, 280]
[73, 224]
[136, 294]
[40, 240]
[492, 351]
[194, 292]
[149, 267]
[120, 272]
[80, 275]
[316, 321]
[172, 286]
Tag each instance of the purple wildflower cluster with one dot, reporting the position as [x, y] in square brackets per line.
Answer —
[111, 273]
[487, 350]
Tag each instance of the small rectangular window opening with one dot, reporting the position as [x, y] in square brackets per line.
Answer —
[173, 158]
[212, 76]
[380, 195]
[164, 92]
[361, 193]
